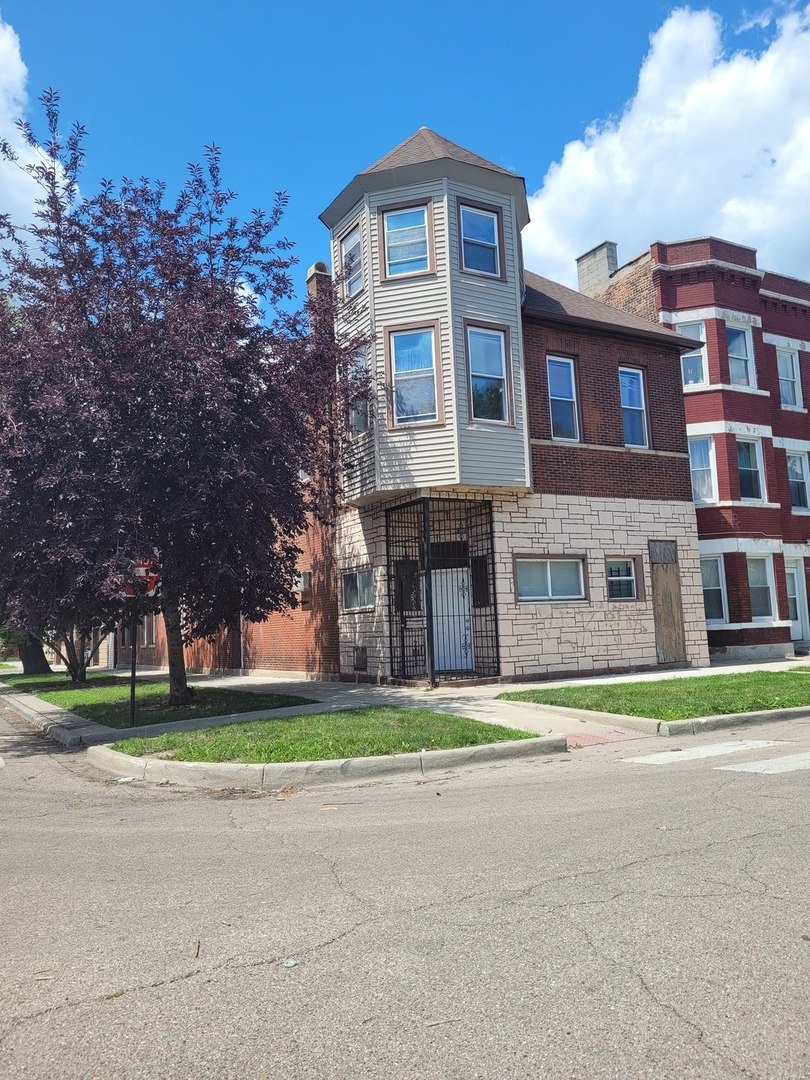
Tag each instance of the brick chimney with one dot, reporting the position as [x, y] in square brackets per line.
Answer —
[317, 278]
[595, 268]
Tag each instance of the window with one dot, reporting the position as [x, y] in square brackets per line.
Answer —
[714, 589]
[406, 241]
[359, 410]
[358, 590]
[549, 579]
[621, 579]
[702, 465]
[740, 369]
[790, 383]
[693, 364]
[480, 249]
[413, 375]
[634, 418]
[562, 399]
[797, 479]
[147, 630]
[750, 468]
[487, 358]
[303, 586]
[759, 586]
[351, 259]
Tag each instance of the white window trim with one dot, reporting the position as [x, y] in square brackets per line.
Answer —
[724, 595]
[580, 563]
[394, 274]
[774, 615]
[357, 267]
[635, 371]
[633, 577]
[797, 381]
[744, 328]
[406, 422]
[802, 456]
[763, 487]
[712, 468]
[356, 573]
[702, 351]
[573, 400]
[492, 332]
[498, 254]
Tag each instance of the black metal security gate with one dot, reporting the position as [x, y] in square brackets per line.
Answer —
[441, 588]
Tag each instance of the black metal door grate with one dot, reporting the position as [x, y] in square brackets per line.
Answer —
[441, 579]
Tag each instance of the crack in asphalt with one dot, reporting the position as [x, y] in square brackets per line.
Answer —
[666, 1006]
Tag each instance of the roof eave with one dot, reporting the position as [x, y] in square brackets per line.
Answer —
[667, 338]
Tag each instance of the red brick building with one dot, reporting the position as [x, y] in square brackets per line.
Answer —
[749, 436]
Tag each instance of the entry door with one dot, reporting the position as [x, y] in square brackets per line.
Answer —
[452, 624]
[670, 642]
[797, 599]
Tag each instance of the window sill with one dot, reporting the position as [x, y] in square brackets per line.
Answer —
[387, 279]
[483, 274]
[699, 388]
[793, 408]
[753, 625]
[758, 504]
[358, 610]
[553, 600]
[800, 511]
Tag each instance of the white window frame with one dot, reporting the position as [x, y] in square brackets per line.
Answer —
[712, 469]
[684, 329]
[768, 560]
[497, 245]
[551, 358]
[366, 572]
[796, 380]
[626, 370]
[578, 562]
[763, 491]
[351, 287]
[359, 418]
[488, 331]
[386, 214]
[418, 373]
[720, 562]
[802, 457]
[749, 344]
[631, 562]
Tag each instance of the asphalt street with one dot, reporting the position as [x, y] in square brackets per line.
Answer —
[589, 916]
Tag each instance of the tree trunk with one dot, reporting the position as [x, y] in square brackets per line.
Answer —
[179, 691]
[34, 660]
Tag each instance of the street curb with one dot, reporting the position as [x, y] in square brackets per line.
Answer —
[642, 724]
[700, 724]
[275, 776]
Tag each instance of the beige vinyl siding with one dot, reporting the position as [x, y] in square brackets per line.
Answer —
[360, 473]
[493, 456]
[411, 455]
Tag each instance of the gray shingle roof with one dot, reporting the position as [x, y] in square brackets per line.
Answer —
[426, 145]
[547, 299]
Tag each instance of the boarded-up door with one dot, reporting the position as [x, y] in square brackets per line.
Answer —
[670, 642]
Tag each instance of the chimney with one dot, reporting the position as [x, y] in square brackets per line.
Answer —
[596, 267]
[317, 278]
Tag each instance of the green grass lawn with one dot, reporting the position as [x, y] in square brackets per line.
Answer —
[682, 699]
[105, 700]
[347, 733]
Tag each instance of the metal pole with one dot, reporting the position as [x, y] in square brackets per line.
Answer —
[134, 630]
[429, 635]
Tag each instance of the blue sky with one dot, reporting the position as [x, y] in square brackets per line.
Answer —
[302, 96]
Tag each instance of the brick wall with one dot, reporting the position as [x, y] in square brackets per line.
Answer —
[303, 640]
[589, 468]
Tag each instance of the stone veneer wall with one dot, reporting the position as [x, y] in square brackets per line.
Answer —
[563, 636]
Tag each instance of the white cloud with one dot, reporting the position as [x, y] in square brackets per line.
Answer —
[18, 191]
[712, 143]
